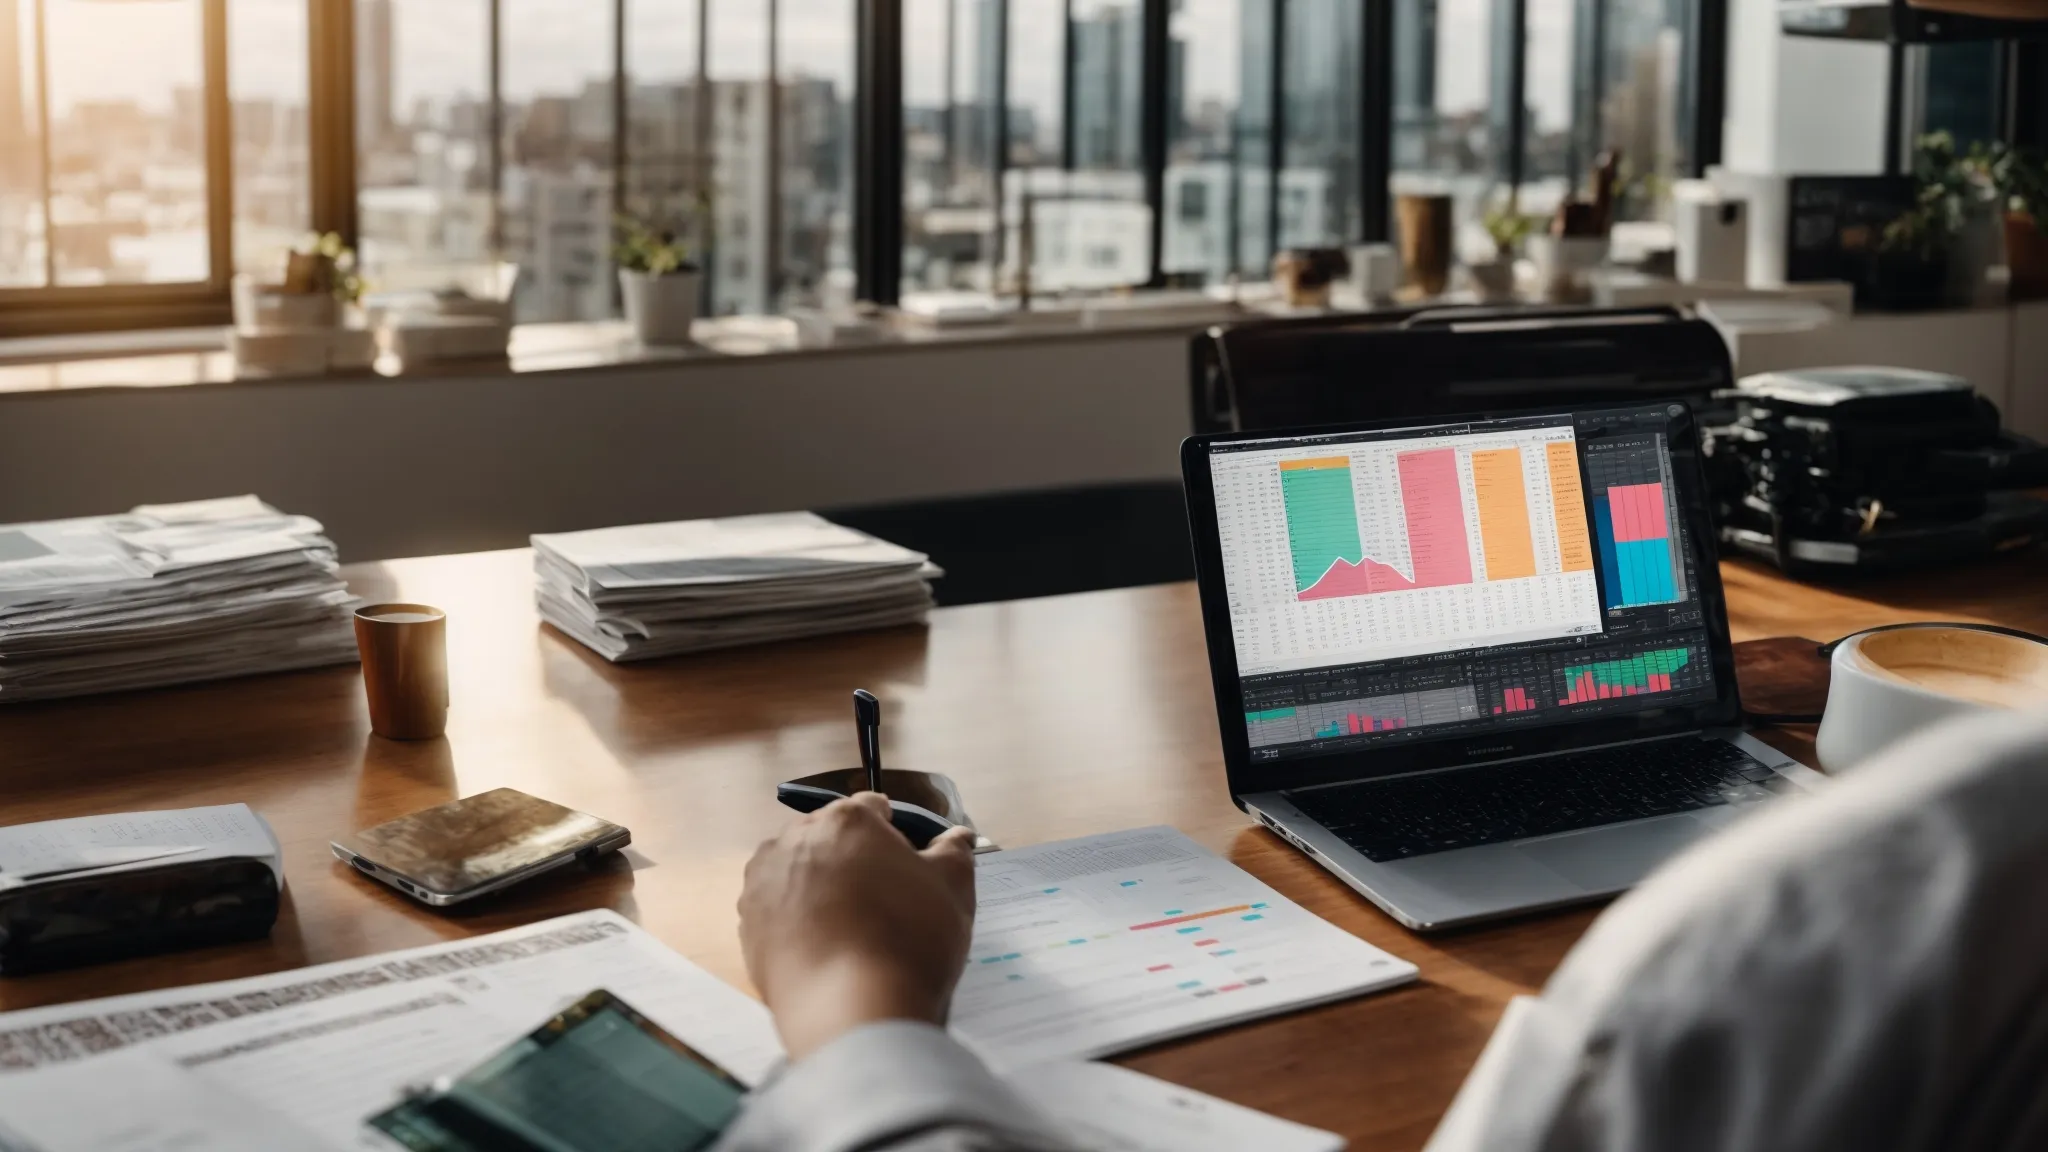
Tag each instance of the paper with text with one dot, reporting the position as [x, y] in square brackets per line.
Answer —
[1092, 946]
[1105, 1108]
[134, 839]
[524, 974]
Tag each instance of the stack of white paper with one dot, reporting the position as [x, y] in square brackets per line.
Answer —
[663, 589]
[165, 595]
[301, 1059]
[126, 841]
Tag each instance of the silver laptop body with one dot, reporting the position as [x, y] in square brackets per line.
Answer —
[1447, 889]
[1647, 597]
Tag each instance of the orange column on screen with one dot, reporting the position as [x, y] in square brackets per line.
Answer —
[1503, 513]
[1568, 500]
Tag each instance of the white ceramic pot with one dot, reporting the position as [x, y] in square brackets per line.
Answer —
[1884, 686]
[1493, 281]
[660, 308]
[1376, 272]
[1562, 263]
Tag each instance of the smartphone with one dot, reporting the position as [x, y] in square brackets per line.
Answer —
[599, 1077]
[483, 843]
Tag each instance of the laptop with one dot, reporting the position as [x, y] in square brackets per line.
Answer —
[1480, 666]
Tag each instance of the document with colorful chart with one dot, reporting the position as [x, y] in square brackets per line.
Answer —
[1087, 947]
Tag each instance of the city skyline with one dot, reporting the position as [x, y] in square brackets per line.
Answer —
[427, 196]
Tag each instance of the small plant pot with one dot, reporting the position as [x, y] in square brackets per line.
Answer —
[2026, 257]
[1493, 281]
[661, 308]
[1906, 282]
[1562, 264]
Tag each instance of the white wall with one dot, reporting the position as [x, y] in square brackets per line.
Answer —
[1799, 105]
[416, 466]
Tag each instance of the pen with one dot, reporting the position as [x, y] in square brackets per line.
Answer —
[867, 718]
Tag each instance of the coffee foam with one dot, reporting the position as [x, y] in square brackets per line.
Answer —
[1963, 663]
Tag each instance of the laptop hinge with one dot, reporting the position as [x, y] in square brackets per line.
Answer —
[1694, 732]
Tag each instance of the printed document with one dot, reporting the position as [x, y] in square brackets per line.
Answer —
[1087, 947]
[1084, 947]
[67, 849]
[1105, 1108]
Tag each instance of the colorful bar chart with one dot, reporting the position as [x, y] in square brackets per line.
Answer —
[1514, 700]
[1635, 545]
[1503, 499]
[1392, 712]
[1355, 725]
[1322, 517]
[1568, 507]
[1638, 675]
[1322, 527]
[1634, 528]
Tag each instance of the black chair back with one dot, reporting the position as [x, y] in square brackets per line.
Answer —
[1448, 361]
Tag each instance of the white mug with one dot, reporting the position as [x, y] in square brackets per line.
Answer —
[1889, 683]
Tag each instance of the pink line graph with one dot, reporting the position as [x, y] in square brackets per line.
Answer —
[1435, 519]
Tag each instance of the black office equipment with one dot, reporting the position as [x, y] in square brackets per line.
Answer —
[1834, 230]
[68, 922]
[1445, 361]
[596, 1075]
[1837, 470]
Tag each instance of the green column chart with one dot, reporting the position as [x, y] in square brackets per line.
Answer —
[1639, 675]
[1322, 517]
[1386, 712]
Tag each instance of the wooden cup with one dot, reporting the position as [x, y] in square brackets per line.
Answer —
[1425, 235]
[405, 669]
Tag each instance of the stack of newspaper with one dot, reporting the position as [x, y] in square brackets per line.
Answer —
[165, 595]
[663, 589]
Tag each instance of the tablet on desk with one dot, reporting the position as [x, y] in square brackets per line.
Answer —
[483, 843]
[597, 1076]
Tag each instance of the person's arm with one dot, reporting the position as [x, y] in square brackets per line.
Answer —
[855, 940]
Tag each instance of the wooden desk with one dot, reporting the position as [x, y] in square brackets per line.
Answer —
[1059, 717]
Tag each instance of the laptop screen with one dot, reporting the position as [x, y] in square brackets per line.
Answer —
[1402, 585]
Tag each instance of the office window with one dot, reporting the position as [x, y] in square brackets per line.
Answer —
[556, 194]
[23, 254]
[1962, 85]
[424, 184]
[665, 181]
[952, 73]
[272, 161]
[814, 65]
[1557, 150]
[1449, 79]
[1256, 212]
[1322, 58]
[737, 66]
[127, 142]
[153, 147]
[1205, 67]
[1089, 202]
[1639, 77]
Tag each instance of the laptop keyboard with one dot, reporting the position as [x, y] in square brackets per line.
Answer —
[1417, 815]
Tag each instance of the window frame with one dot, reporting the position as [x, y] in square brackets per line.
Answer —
[58, 308]
[877, 102]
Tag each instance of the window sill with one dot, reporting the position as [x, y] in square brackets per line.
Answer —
[199, 356]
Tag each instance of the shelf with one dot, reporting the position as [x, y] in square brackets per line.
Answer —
[1884, 21]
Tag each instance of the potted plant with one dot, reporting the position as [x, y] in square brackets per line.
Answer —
[1959, 189]
[1908, 270]
[659, 280]
[1507, 227]
[2021, 178]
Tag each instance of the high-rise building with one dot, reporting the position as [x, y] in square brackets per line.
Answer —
[376, 48]
[1108, 70]
[15, 135]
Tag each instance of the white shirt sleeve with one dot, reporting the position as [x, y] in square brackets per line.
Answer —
[896, 1086]
[1864, 968]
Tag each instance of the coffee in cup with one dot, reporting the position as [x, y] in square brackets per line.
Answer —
[1887, 684]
